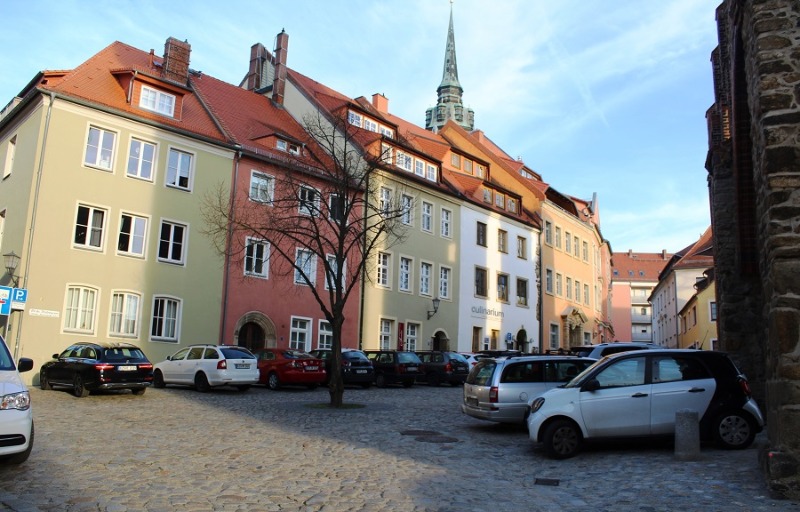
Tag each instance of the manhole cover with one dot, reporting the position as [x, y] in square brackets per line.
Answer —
[546, 481]
[436, 439]
[419, 433]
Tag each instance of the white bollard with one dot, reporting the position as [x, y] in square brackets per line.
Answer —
[687, 435]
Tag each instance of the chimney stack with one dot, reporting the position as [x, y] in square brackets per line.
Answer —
[258, 55]
[279, 84]
[176, 61]
[381, 103]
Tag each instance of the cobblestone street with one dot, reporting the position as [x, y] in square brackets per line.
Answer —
[404, 450]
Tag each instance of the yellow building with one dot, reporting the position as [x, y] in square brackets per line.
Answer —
[698, 318]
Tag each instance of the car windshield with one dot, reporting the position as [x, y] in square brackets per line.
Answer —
[407, 357]
[355, 356]
[481, 374]
[581, 351]
[124, 354]
[236, 353]
[458, 357]
[6, 361]
[296, 354]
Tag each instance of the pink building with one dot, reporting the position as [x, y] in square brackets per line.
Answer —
[633, 277]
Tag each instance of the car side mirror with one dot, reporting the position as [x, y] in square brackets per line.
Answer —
[592, 385]
[25, 364]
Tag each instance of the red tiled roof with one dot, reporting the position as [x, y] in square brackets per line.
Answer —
[639, 266]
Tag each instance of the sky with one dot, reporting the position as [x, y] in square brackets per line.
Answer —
[599, 97]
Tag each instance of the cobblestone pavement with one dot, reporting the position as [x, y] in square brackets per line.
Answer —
[404, 450]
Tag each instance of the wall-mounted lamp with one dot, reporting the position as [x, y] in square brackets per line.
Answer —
[435, 308]
[11, 261]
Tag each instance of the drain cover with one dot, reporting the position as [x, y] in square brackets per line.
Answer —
[546, 481]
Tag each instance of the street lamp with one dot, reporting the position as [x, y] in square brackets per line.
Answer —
[435, 308]
[11, 261]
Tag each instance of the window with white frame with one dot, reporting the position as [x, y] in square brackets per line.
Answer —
[427, 217]
[502, 240]
[585, 251]
[124, 319]
[586, 296]
[262, 187]
[300, 334]
[444, 282]
[354, 118]
[712, 311]
[370, 125]
[387, 154]
[288, 147]
[548, 281]
[548, 232]
[308, 201]
[499, 200]
[576, 248]
[412, 337]
[325, 335]
[404, 161]
[559, 285]
[487, 195]
[89, 227]
[522, 247]
[385, 201]
[179, 169]
[79, 309]
[558, 237]
[388, 132]
[467, 166]
[408, 210]
[577, 291]
[10, 152]
[480, 171]
[430, 172]
[404, 278]
[132, 234]
[587, 338]
[446, 223]
[384, 266]
[568, 242]
[419, 167]
[425, 272]
[554, 337]
[332, 270]
[157, 101]
[481, 282]
[100, 148]
[386, 328]
[166, 319]
[171, 242]
[522, 292]
[305, 263]
[455, 160]
[502, 287]
[141, 159]
[569, 288]
[512, 205]
[256, 258]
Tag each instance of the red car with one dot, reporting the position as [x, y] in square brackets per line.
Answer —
[280, 366]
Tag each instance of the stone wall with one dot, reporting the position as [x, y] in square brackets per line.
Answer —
[754, 187]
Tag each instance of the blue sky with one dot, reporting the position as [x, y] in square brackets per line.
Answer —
[598, 96]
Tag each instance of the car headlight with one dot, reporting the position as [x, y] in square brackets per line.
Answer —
[20, 401]
[537, 404]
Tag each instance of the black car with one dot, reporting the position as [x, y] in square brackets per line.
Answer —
[356, 367]
[86, 367]
[443, 366]
[394, 367]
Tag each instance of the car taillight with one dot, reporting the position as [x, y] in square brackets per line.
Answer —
[745, 386]
[493, 394]
[146, 366]
[222, 364]
[102, 367]
[448, 367]
[346, 364]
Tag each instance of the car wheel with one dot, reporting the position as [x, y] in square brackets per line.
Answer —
[138, 391]
[380, 380]
[243, 387]
[19, 458]
[158, 380]
[312, 386]
[201, 382]
[273, 382]
[433, 379]
[44, 383]
[408, 383]
[366, 385]
[733, 431]
[562, 439]
[78, 387]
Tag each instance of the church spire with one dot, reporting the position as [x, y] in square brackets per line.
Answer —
[449, 105]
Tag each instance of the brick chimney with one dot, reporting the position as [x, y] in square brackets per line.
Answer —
[176, 61]
[381, 103]
[258, 55]
[279, 84]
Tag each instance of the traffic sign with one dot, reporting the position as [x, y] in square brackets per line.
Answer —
[19, 296]
[5, 300]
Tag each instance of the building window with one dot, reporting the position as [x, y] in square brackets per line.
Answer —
[586, 296]
[100, 148]
[385, 201]
[10, 152]
[336, 207]
[481, 282]
[481, 234]
[305, 263]
[132, 235]
[325, 335]
[89, 227]
[559, 285]
[262, 187]
[502, 287]
[487, 195]
[171, 242]
[287, 146]
[577, 291]
[554, 337]
[502, 241]
[425, 271]
[387, 154]
[404, 280]
[166, 319]
[585, 251]
[522, 247]
[548, 232]
[569, 288]
[499, 200]
[141, 159]
[157, 101]
[407, 217]
[179, 169]
[712, 308]
[446, 223]
[256, 258]
[548, 281]
[558, 237]
[444, 282]
[79, 309]
[386, 327]
[468, 166]
[308, 199]
[576, 248]
[404, 161]
[455, 161]
[512, 205]
[332, 271]
[354, 119]
[384, 266]
[568, 242]
[427, 217]
[300, 334]
[412, 335]
[124, 319]
[431, 172]
[522, 292]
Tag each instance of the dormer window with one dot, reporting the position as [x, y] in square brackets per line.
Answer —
[480, 171]
[370, 125]
[512, 205]
[354, 119]
[387, 132]
[487, 195]
[287, 146]
[455, 161]
[157, 101]
[499, 200]
[468, 166]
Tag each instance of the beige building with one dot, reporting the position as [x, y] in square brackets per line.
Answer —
[698, 318]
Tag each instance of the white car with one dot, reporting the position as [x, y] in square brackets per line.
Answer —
[637, 394]
[473, 358]
[208, 366]
[16, 417]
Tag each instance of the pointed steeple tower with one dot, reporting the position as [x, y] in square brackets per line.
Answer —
[449, 105]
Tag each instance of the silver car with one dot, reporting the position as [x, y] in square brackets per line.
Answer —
[499, 389]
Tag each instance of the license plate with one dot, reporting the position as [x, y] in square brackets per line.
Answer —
[472, 401]
[241, 366]
[361, 371]
[126, 368]
[411, 368]
[312, 368]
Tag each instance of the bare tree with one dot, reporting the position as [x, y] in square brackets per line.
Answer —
[328, 209]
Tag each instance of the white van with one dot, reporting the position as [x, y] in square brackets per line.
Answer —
[16, 417]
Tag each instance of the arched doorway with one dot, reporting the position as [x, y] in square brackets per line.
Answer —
[254, 331]
[440, 341]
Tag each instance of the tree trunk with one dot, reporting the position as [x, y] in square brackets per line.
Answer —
[336, 384]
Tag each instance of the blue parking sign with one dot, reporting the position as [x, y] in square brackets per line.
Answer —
[5, 300]
[19, 296]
